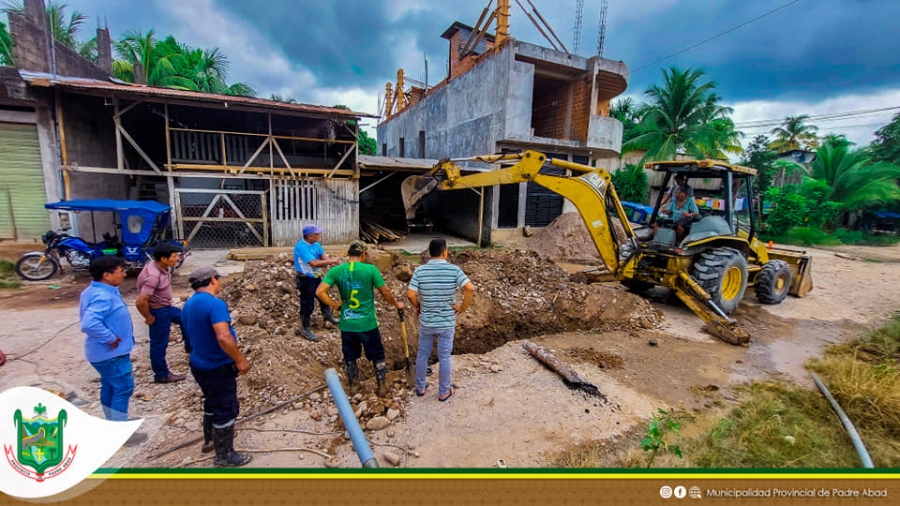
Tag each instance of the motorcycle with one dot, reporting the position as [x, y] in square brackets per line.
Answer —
[143, 224]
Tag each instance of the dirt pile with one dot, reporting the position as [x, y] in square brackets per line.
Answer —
[567, 239]
[520, 294]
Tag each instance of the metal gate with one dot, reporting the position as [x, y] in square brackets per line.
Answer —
[332, 204]
[213, 219]
[22, 189]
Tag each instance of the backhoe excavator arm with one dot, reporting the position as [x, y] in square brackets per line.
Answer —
[589, 189]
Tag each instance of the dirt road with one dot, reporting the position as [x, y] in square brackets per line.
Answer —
[507, 406]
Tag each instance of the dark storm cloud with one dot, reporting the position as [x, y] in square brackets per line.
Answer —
[808, 51]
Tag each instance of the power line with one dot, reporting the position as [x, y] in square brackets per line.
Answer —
[714, 37]
[821, 117]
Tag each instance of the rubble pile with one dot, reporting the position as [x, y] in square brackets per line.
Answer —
[567, 239]
[520, 294]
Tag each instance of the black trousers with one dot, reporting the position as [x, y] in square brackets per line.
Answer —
[370, 340]
[219, 388]
[307, 288]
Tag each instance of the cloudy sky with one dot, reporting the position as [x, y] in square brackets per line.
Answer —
[816, 57]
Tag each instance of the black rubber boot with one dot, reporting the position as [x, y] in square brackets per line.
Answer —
[208, 445]
[352, 378]
[307, 332]
[328, 316]
[381, 389]
[225, 455]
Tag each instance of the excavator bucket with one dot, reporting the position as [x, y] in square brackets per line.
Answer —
[413, 190]
[801, 266]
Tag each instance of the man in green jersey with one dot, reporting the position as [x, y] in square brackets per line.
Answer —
[357, 282]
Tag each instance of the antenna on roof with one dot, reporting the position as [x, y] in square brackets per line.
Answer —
[579, 9]
[601, 32]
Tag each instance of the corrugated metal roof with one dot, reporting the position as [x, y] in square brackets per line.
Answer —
[120, 87]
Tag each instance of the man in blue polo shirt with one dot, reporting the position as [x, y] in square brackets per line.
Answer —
[309, 258]
[215, 363]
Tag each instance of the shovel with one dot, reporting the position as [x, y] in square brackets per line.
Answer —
[410, 367]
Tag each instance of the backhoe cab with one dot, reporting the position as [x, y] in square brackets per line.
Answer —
[717, 257]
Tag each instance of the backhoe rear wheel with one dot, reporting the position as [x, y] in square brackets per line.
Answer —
[722, 272]
[773, 282]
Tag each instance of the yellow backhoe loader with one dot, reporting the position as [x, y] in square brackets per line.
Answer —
[709, 268]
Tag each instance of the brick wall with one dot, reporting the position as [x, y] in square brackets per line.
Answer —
[549, 113]
[459, 66]
[581, 109]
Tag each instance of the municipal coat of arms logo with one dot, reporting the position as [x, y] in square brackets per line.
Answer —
[39, 445]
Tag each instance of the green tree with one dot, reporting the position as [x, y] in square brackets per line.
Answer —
[886, 146]
[65, 30]
[676, 119]
[631, 183]
[758, 156]
[279, 98]
[724, 139]
[628, 112]
[6, 52]
[794, 133]
[856, 181]
[367, 145]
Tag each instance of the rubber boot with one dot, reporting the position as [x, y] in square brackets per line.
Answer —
[352, 378]
[381, 390]
[328, 316]
[208, 445]
[225, 455]
[307, 332]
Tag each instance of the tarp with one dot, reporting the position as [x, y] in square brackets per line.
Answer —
[138, 218]
[887, 215]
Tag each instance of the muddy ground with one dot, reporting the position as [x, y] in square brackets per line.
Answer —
[507, 406]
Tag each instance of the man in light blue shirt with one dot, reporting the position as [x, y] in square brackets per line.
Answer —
[109, 332]
[432, 292]
[309, 258]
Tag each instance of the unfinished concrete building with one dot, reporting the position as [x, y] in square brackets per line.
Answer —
[503, 94]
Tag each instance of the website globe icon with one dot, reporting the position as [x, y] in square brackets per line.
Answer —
[695, 493]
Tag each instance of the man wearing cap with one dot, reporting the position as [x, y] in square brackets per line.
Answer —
[309, 258]
[356, 282]
[215, 363]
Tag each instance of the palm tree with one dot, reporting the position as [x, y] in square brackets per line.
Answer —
[676, 120]
[64, 31]
[279, 98]
[6, 52]
[628, 112]
[725, 140]
[856, 182]
[794, 134]
[145, 60]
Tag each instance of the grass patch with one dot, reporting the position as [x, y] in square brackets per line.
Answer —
[8, 277]
[806, 236]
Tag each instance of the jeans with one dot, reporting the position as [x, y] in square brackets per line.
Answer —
[159, 338]
[370, 340]
[444, 338]
[116, 386]
[219, 387]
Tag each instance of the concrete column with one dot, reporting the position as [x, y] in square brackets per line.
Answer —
[104, 50]
[46, 131]
[523, 196]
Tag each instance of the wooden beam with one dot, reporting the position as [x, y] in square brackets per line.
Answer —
[283, 158]
[63, 151]
[131, 106]
[225, 220]
[120, 149]
[271, 154]
[168, 138]
[244, 218]
[138, 148]
[182, 171]
[170, 181]
[343, 158]
[224, 156]
[255, 154]
[216, 192]
[205, 214]
[283, 137]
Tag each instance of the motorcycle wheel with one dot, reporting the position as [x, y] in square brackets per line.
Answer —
[31, 268]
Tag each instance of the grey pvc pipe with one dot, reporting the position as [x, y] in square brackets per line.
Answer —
[360, 443]
[854, 436]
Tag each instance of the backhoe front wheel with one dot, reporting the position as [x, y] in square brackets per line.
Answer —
[722, 272]
[773, 282]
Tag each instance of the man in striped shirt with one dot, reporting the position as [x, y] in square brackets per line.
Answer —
[432, 292]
